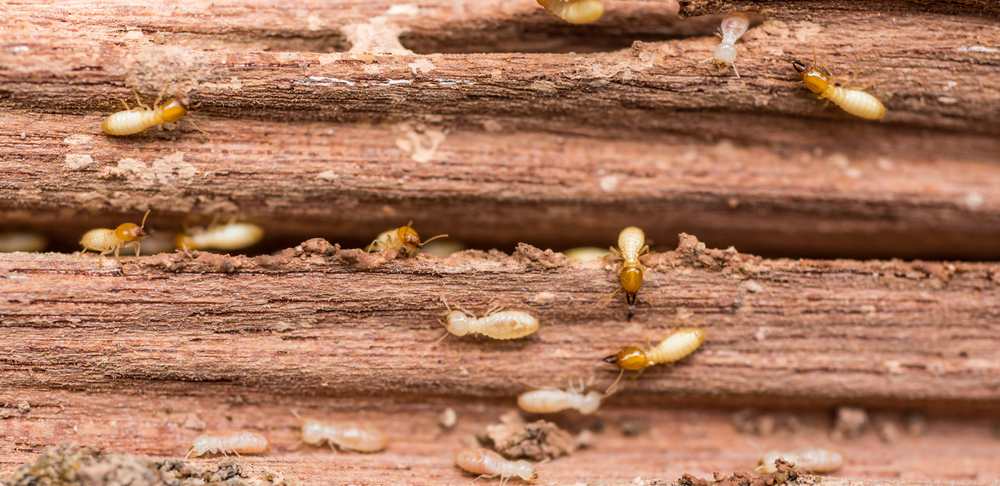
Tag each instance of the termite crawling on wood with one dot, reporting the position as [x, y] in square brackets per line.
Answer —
[231, 236]
[808, 459]
[574, 12]
[853, 101]
[632, 242]
[497, 324]
[551, 400]
[675, 347]
[487, 463]
[138, 119]
[236, 442]
[404, 237]
[734, 25]
[346, 435]
[126, 235]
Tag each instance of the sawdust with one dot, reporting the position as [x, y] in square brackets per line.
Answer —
[729, 261]
[79, 161]
[514, 438]
[532, 257]
[419, 140]
[161, 172]
[850, 423]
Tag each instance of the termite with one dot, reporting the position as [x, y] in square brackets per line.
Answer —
[574, 12]
[126, 235]
[489, 464]
[808, 459]
[497, 324]
[675, 347]
[138, 119]
[12, 241]
[586, 253]
[236, 442]
[551, 400]
[632, 242]
[403, 237]
[734, 25]
[347, 435]
[232, 236]
[853, 101]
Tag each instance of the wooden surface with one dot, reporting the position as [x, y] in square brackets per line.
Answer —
[499, 124]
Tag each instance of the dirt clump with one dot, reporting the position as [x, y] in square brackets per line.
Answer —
[514, 438]
[785, 473]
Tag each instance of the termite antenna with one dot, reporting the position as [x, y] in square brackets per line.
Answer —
[432, 239]
[446, 334]
[647, 296]
[611, 297]
[296, 414]
[143, 225]
[446, 306]
[613, 345]
[616, 381]
[189, 454]
[735, 70]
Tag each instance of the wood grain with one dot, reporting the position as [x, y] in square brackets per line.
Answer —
[321, 319]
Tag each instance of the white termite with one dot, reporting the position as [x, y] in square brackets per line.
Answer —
[497, 324]
[236, 442]
[487, 463]
[734, 25]
[808, 459]
[551, 400]
[231, 236]
[574, 11]
[12, 241]
[346, 435]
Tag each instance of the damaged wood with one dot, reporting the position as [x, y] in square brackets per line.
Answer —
[890, 193]
[319, 317]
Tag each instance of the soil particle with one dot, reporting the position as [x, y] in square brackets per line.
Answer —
[70, 464]
[532, 257]
[319, 246]
[729, 261]
[514, 438]
[784, 474]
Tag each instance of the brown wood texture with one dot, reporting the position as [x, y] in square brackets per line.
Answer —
[499, 124]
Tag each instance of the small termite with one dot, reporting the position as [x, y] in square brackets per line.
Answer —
[574, 12]
[489, 464]
[632, 242]
[551, 400]
[138, 119]
[236, 442]
[105, 240]
[497, 324]
[346, 435]
[853, 101]
[808, 459]
[734, 25]
[231, 236]
[586, 253]
[675, 347]
[403, 237]
[12, 241]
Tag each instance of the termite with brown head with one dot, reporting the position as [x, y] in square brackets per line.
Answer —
[632, 242]
[138, 119]
[808, 459]
[574, 11]
[551, 400]
[497, 324]
[105, 240]
[402, 238]
[236, 442]
[854, 101]
[675, 347]
[489, 464]
[734, 25]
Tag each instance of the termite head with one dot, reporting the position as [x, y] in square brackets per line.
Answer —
[183, 241]
[312, 432]
[131, 231]
[457, 323]
[631, 279]
[725, 53]
[767, 462]
[525, 470]
[816, 79]
[201, 444]
[175, 109]
[629, 358]
[590, 402]
[408, 237]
